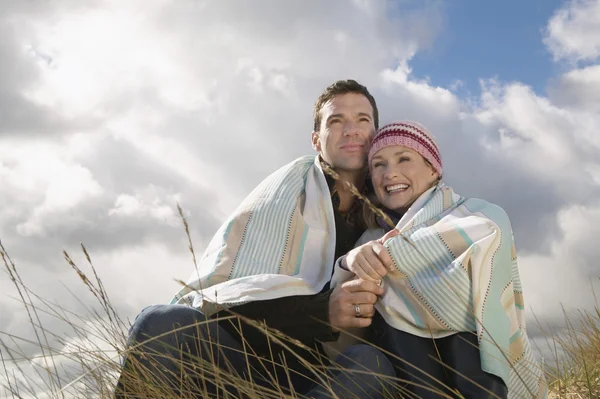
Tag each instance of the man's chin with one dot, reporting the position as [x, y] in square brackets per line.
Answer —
[350, 167]
[351, 164]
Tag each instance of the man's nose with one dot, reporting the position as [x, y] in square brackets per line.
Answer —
[350, 128]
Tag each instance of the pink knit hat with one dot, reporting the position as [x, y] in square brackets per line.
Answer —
[408, 134]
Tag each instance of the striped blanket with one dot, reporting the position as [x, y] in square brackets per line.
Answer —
[279, 242]
[457, 271]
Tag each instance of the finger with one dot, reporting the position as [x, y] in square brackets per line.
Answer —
[378, 268]
[363, 275]
[361, 285]
[366, 310]
[388, 235]
[357, 266]
[358, 311]
[384, 257]
[364, 269]
[367, 271]
[367, 298]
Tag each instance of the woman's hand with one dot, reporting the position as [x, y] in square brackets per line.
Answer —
[371, 261]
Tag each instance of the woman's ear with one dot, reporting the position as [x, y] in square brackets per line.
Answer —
[436, 176]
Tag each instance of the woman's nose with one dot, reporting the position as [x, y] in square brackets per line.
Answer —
[390, 173]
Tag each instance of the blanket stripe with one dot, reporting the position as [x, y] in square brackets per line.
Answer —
[279, 242]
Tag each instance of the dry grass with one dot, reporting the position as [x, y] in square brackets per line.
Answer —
[87, 362]
[574, 370]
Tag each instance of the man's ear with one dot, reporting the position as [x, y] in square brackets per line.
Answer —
[316, 143]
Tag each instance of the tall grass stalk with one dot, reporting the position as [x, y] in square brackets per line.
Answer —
[86, 363]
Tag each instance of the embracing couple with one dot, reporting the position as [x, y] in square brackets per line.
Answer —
[408, 291]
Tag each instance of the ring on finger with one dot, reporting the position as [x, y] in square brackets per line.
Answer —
[357, 310]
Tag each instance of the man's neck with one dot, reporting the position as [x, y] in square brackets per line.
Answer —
[345, 195]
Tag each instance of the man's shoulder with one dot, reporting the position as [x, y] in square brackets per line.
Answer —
[303, 160]
[290, 175]
[300, 163]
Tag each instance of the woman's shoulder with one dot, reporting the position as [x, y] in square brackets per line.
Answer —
[490, 210]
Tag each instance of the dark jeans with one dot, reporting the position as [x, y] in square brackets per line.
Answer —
[174, 359]
[459, 352]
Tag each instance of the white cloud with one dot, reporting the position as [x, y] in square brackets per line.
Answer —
[578, 89]
[114, 111]
[111, 112]
[573, 33]
[456, 84]
[421, 91]
[567, 277]
[148, 204]
[533, 130]
[47, 179]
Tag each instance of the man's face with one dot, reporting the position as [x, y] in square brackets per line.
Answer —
[346, 130]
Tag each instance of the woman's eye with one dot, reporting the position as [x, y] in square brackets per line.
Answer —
[377, 164]
[404, 159]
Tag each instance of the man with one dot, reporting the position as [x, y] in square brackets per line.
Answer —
[272, 262]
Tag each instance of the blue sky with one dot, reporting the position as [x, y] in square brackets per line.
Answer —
[490, 39]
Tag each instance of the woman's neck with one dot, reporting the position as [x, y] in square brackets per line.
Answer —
[399, 212]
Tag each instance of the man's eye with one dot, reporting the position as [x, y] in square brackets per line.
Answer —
[365, 120]
[331, 122]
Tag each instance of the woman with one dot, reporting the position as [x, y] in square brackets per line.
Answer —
[452, 314]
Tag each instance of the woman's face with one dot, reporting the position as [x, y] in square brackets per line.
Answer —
[400, 175]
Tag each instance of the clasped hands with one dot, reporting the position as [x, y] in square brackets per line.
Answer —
[352, 304]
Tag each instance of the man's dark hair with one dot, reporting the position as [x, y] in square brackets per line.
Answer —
[343, 87]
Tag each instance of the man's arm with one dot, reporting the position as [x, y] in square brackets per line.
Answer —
[303, 317]
[317, 317]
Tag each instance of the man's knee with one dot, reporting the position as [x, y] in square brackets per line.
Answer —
[157, 320]
[161, 341]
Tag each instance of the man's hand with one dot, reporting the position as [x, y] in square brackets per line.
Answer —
[343, 300]
[371, 261]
